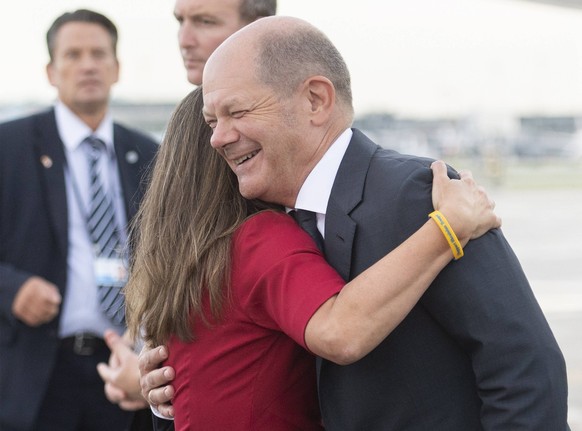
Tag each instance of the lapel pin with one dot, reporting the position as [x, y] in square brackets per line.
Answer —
[46, 161]
[131, 157]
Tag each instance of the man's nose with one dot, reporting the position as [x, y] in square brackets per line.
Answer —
[88, 61]
[187, 37]
[223, 134]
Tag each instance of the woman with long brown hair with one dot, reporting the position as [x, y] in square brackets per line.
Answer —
[244, 299]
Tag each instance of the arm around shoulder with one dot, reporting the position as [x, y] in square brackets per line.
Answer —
[348, 326]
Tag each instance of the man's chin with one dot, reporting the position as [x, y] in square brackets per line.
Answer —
[247, 192]
[90, 105]
[194, 76]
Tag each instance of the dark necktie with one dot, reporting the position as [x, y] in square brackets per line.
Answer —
[308, 222]
[103, 232]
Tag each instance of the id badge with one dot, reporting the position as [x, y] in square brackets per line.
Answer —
[110, 271]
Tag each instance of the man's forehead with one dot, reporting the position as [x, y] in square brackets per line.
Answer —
[226, 66]
[80, 34]
[220, 100]
[88, 28]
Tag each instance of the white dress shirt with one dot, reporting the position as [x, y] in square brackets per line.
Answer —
[81, 309]
[316, 190]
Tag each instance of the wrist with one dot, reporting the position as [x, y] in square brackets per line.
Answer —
[448, 233]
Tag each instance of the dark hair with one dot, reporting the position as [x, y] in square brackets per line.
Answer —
[80, 15]
[251, 10]
[287, 57]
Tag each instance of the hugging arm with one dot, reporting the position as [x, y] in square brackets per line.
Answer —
[349, 325]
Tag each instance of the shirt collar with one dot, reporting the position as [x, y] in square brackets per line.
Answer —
[72, 130]
[316, 190]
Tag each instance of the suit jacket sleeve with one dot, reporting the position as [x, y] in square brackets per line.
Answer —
[162, 424]
[16, 174]
[484, 301]
[10, 281]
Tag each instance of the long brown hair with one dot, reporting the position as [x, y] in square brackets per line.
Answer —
[181, 238]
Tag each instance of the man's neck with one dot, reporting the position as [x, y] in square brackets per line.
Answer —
[90, 115]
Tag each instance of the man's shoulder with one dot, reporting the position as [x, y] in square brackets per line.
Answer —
[400, 161]
[26, 123]
[389, 165]
[385, 158]
[133, 140]
[134, 135]
[18, 136]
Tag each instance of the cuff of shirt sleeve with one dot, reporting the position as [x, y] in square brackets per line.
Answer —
[159, 415]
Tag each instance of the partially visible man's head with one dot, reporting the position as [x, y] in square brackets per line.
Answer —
[80, 15]
[83, 62]
[277, 94]
[205, 24]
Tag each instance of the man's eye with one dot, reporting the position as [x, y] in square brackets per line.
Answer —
[211, 123]
[205, 21]
[237, 114]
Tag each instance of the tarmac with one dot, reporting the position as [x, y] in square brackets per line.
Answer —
[544, 227]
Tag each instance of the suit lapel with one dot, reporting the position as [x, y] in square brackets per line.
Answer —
[346, 194]
[128, 162]
[51, 160]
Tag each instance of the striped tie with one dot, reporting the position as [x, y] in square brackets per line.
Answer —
[103, 231]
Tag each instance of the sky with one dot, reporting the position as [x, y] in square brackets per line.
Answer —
[407, 57]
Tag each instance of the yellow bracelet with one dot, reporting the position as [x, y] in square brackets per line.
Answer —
[449, 234]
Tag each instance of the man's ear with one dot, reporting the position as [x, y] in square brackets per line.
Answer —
[49, 73]
[118, 67]
[320, 93]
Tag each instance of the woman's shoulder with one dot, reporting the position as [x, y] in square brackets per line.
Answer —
[269, 228]
[269, 220]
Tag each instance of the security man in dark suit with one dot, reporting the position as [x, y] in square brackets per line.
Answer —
[70, 180]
